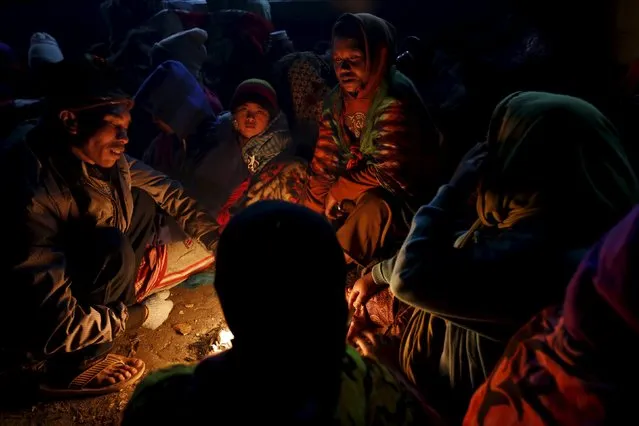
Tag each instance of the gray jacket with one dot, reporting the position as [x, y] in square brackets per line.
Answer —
[43, 196]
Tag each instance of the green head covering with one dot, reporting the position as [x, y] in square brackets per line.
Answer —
[554, 155]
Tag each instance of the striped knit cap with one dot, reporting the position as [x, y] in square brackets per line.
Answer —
[257, 91]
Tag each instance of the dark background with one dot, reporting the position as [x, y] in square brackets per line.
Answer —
[579, 28]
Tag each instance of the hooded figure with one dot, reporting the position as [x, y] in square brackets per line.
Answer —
[189, 48]
[189, 148]
[172, 95]
[178, 105]
[582, 355]
[302, 382]
[555, 178]
[377, 147]
[584, 165]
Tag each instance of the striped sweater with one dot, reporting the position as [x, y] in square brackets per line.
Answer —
[399, 145]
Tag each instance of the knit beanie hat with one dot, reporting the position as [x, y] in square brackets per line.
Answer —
[44, 49]
[257, 91]
[186, 47]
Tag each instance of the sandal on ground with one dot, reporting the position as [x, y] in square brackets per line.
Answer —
[79, 385]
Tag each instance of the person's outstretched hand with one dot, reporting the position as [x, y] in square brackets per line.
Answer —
[363, 289]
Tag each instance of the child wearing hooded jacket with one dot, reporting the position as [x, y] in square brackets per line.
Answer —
[226, 162]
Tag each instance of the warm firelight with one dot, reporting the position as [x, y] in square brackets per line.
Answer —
[223, 341]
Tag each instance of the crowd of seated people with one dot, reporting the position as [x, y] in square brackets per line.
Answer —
[424, 276]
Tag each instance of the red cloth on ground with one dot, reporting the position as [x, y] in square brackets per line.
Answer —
[151, 271]
[159, 271]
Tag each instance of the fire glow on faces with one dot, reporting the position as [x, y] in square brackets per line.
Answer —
[251, 119]
[102, 138]
[349, 62]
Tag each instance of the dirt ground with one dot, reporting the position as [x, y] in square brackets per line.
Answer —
[197, 308]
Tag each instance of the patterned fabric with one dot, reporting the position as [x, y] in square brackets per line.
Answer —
[398, 144]
[283, 180]
[274, 174]
[278, 181]
[260, 149]
[302, 81]
[356, 123]
[356, 157]
[383, 313]
[166, 265]
[258, 91]
[307, 76]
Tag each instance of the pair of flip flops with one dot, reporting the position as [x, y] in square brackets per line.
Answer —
[79, 386]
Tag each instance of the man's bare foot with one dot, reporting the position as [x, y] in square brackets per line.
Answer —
[116, 373]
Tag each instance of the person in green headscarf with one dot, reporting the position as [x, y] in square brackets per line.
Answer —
[551, 179]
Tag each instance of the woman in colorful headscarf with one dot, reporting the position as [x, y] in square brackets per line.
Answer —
[377, 152]
[551, 179]
[577, 369]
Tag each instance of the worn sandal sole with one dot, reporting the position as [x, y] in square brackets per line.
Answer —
[77, 387]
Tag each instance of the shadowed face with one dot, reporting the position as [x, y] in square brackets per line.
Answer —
[251, 119]
[349, 61]
[103, 137]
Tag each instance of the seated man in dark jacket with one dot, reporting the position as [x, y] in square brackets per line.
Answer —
[80, 215]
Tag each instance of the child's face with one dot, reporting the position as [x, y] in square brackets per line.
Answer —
[251, 119]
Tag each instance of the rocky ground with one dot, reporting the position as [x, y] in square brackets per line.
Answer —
[186, 337]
